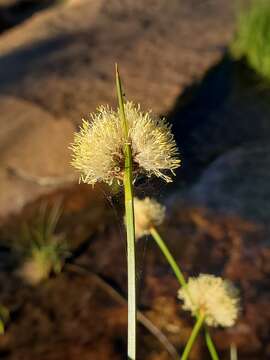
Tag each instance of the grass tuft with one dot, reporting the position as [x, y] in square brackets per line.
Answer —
[252, 38]
[4, 318]
[43, 249]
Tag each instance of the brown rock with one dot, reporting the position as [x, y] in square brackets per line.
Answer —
[63, 58]
[34, 153]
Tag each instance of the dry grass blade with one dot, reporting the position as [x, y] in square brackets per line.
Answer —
[142, 319]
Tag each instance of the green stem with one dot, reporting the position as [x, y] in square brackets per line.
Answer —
[211, 346]
[166, 252]
[180, 277]
[131, 259]
[121, 101]
[193, 337]
[2, 327]
[233, 352]
[129, 210]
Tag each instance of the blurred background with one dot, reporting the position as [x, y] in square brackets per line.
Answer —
[205, 65]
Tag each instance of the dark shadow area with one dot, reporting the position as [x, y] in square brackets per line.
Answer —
[16, 12]
[44, 58]
[229, 108]
[14, 65]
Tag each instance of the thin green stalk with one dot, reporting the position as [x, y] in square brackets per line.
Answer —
[193, 336]
[129, 209]
[211, 346]
[179, 275]
[121, 101]
[166, 252]
[233, 352]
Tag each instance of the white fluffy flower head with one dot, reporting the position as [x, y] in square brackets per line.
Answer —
[148, 213]
[216, 298]
[98, 149]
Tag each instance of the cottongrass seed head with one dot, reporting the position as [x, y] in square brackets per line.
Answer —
[98, 148]
[216, 298]
[148, 213]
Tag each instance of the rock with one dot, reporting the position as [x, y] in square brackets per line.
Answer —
[58, 65]
[228, 109]
[13, 12]
[63, 58]
[5, 3]
[34, 153]
[236, 183]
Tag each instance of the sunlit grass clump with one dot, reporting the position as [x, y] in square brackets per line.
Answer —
[44, 250]
[252, 38]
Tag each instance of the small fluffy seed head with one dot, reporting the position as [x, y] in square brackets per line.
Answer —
[98, 148]
[216, 298]
[148, 213]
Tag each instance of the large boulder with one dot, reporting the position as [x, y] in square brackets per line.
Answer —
[63, 58]
[237, 183]
[13, 12]
[60, 64]
[34, 154]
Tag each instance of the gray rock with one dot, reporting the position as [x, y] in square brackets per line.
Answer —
[237, 183]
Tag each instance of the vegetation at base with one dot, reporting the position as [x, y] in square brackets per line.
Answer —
[42, 248]
[252, 37]
[4, 318]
